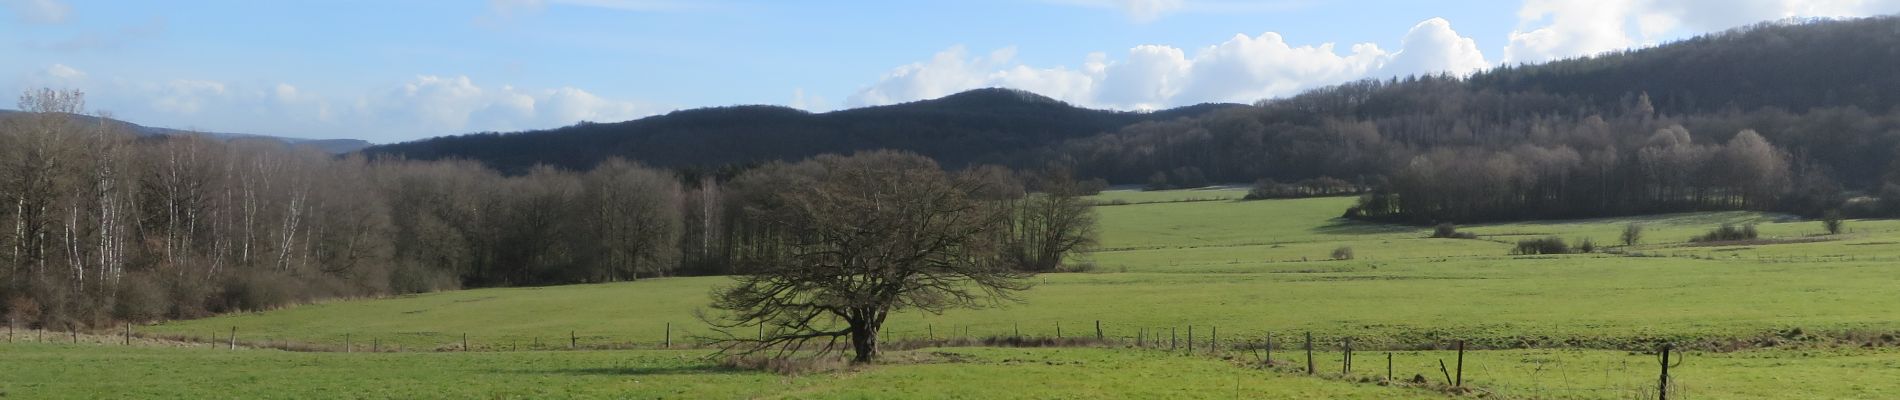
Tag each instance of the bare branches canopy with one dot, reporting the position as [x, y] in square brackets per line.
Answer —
[861, 237]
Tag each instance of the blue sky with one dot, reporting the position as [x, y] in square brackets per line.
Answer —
[396, 70]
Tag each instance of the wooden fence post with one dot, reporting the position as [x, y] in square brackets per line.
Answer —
[930, 331]
[573, 341]
[1018, 327]
[1269, 346]
[669, 334]
[347, 347]
[1662, 385]
[1309, 353]
[233, 338]
[1345, 359]
[1098, 330]
[74, 329]
[1213, 341]
[464, 341]
[1190, 349]
[376, 346]
[1461, 364]
[1141, 337]
[1058, 329]
[128, 333]
[1172, 344]
[1388, 366]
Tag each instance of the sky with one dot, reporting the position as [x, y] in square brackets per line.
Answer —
[397, 70]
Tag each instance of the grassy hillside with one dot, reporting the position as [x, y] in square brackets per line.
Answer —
[1237, 265]
[1248, 269]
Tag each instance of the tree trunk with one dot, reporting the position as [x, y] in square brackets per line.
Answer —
[864, 341]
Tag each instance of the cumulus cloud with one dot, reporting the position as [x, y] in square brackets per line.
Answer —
[38, 11]
[1432, 47]
[434, 105]
[949, 71]
[1555, 29]
[1241, 69]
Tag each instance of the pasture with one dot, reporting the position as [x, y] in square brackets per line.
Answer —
[1790, 311]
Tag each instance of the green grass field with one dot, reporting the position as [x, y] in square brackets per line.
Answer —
[1244, 268]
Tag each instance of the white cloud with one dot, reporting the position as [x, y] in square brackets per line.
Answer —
[949, 71]
[63, 72]
[1241, 69]
[1431, 47]
[1556, 29]
[438, 105]
[39, 11]
[1244, 69]
[808, 102]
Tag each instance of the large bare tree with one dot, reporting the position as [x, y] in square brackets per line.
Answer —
[861, 237]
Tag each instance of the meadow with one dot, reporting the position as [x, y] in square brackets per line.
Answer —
[1798, 311]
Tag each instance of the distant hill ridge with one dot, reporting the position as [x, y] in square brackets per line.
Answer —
[970, 127]
[333, 146]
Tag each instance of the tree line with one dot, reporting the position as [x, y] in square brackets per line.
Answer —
[101, 224]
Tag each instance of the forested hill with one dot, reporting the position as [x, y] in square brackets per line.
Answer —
[956, 130]
[1648, 130]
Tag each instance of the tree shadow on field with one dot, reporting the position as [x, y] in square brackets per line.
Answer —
[639, 370]
[1342, 226]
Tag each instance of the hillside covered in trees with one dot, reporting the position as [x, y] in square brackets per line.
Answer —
[1646, 130]
[956, 130]
[1794, 116]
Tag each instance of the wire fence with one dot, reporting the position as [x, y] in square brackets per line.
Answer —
[1441, 365]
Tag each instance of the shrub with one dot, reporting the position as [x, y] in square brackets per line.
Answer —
[1342, 253]
[256, 291]
[412, 278]
[1549, 245]
[1833, 222]
[1632, 234]
[1585, 245]
[1264, 189]
[1728, 232]
[1158, 181]
[1092, 187]
[22, 309]
[141, 298]
[1449, 231]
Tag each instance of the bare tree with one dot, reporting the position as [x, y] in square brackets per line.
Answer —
[1055, 222]
[864, 236]
[633, 218]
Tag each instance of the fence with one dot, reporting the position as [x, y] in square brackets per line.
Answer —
[1297, 354]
